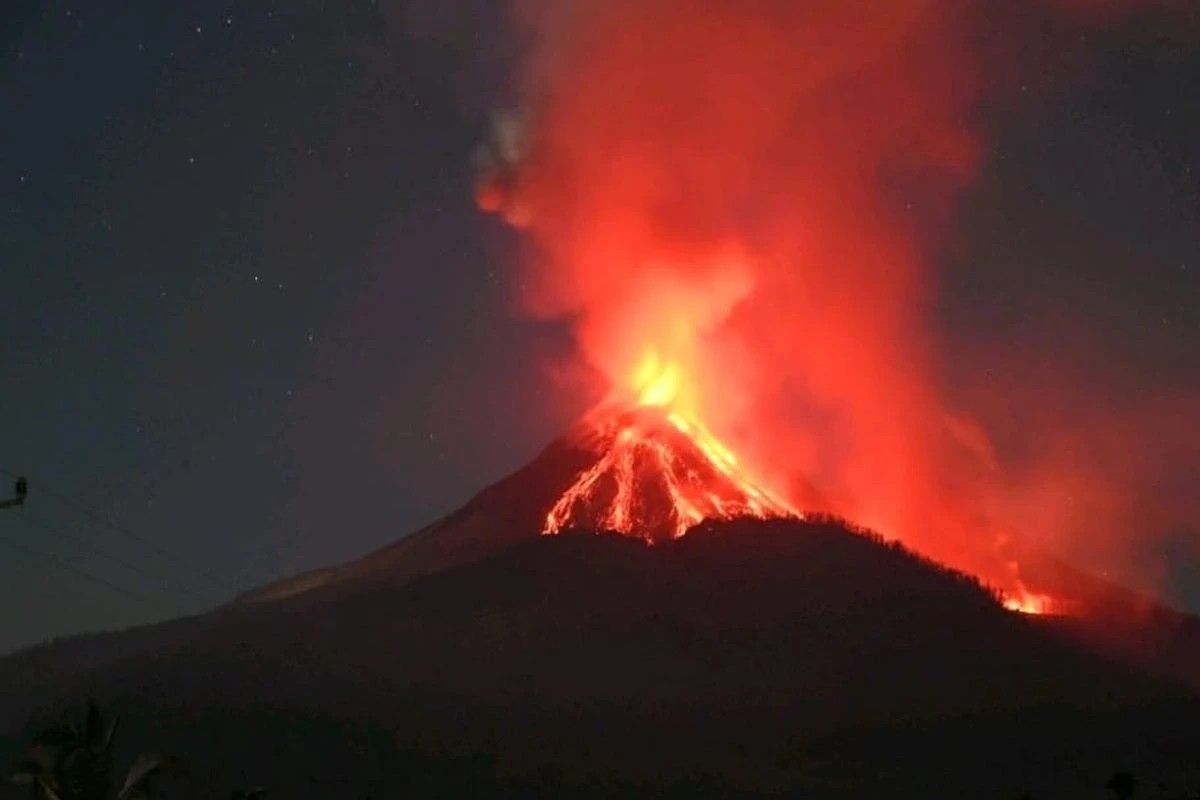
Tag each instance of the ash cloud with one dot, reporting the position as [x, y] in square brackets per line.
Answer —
[758, 190]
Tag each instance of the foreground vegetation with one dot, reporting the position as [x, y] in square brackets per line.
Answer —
[75, 759]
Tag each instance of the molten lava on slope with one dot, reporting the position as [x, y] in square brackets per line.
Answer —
[651, 470]
[655, 475]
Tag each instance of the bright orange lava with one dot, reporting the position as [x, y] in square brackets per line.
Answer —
[1027, 602]
[658, 471]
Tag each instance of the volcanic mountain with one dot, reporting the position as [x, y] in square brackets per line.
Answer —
[640, 470]
[762, 651]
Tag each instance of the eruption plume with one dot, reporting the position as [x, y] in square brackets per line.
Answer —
[735, 205]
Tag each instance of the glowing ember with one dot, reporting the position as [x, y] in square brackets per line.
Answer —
[657, 472]
[1027, 602]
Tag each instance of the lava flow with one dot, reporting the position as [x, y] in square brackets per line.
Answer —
[658, 471]
[1027, 602]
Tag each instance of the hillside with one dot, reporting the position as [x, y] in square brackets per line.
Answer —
[758, 650]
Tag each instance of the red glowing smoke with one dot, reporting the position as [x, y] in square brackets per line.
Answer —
[751, 191]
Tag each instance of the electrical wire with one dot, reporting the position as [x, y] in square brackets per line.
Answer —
[178, 562]
[159, 579]
[54, 561]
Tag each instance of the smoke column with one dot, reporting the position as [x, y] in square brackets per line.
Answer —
[755, 191]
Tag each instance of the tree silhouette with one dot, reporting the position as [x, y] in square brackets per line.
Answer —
[1122, 785]
[73, 761]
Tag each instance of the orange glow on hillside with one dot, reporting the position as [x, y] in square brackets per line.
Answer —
[658, 472]
[1027, 602]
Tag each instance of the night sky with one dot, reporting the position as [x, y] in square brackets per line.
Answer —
[252, 322]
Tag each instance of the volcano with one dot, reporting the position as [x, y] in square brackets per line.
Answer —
[511, 644]
[649, 474]
[638, 469]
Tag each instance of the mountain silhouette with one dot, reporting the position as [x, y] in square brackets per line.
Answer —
[662, 461]
[750, 656]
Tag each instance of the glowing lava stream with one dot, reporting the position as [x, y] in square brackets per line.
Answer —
[658, 472]
[1027, 602]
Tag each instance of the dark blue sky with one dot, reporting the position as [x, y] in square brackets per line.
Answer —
[251, 322]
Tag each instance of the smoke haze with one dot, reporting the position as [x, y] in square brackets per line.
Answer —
[757, 191]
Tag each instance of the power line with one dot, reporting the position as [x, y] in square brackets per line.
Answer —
[96, 517]
[41, 524]
[55, 561]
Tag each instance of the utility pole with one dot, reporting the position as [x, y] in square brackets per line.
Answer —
[21, 489]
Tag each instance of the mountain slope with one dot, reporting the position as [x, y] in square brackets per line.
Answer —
[762, 651]
[638, 470]
[601, 653]
[511, 510]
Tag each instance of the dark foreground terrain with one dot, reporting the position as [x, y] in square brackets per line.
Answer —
[748, 659]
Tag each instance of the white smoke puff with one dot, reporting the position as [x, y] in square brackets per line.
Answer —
[497, 161]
